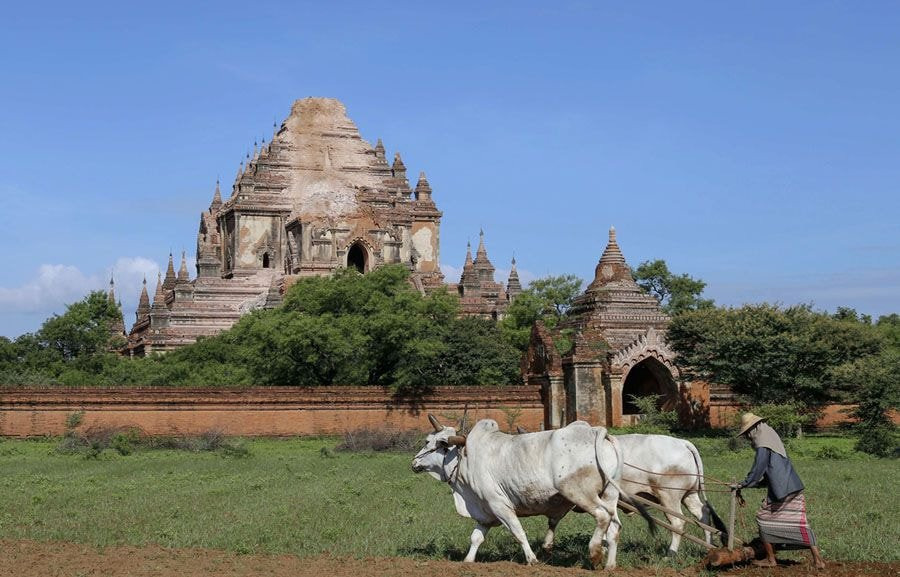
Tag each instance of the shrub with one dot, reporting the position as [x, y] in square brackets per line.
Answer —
[380, 440]
[880, 441]
[127, 440]
[833, 453]
[74, 419]
[654, 420]
[123, 442]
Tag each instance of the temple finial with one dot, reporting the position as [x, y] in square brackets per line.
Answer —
[217, 198]
[169, 282]
[423, 189]
[182, 271]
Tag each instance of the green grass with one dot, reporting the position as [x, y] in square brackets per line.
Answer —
[299, 496]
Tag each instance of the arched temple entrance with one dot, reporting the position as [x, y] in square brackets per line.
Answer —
[357, 257]
[648, 377]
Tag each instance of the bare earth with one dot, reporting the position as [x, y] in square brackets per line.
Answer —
[31, 558]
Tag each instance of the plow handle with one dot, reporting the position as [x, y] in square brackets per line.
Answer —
[731, 520]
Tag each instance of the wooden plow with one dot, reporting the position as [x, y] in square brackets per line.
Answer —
[715, 556]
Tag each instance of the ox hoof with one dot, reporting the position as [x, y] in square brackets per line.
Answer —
[670, 553]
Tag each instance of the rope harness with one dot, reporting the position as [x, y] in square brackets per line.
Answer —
[705, 478]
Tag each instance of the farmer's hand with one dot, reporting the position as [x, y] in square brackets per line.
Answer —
[735, 486]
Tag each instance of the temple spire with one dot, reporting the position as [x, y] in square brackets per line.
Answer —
[217, 199]
[482, 252]
[469, 277]
[169, 283]
[612, 266]
[143, 308]
[398, 168]
[513, 286]
[112, 290]
[423, 189]
[379, 151]
[183, 271]
[159, 297]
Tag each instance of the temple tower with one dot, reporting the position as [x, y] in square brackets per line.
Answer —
[315, 198]
[616, 349]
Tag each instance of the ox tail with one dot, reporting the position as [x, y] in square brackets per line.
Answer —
[710, 517]
[613, 479]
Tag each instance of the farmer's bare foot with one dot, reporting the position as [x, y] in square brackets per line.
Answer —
[817, 558]
[764, 563]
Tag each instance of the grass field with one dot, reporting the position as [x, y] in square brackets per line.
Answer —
[299, 496]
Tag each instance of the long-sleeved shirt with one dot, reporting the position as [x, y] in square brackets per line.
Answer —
[775, 472]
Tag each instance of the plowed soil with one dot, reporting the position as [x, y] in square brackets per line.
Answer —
[33, 559]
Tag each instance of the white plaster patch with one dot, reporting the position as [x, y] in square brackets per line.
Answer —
[422, 242]
[253, 234]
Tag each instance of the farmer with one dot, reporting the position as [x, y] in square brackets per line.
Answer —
[782, 516]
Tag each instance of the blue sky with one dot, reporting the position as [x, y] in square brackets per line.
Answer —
[756, 147]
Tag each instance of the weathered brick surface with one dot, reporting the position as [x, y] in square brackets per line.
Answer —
[263, 411]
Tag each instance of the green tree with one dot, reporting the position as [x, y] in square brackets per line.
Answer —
[392, 335]
[85, 328]
[675, 293]
[546, 299]
[71, 348]
[769, 354]
[889, 327]
[476, 354]
[876, 380]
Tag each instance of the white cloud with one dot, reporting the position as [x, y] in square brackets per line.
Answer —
[53, 286]
[56, 285]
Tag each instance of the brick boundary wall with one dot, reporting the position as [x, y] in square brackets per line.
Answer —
[259, 411]
[289, 411]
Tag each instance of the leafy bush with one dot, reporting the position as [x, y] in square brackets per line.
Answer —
[74, 419]
[832, 452]
[880, 441]
[654, 420]
[124, 441]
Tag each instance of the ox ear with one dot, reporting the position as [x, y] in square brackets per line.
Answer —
[434, 423]
[521, 430]
[456, 440]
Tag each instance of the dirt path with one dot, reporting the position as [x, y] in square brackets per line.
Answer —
[35, 559]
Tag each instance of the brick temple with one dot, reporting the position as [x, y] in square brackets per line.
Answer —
[314, 199]
[614, 349]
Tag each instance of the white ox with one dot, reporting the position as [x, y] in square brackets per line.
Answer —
[669, 471]
[497, 478]
[666, 470]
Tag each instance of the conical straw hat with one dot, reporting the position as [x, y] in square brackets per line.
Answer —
[748, 421]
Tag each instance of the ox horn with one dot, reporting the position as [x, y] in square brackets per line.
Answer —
[434, 423]
[456, 440]
[521, 430]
